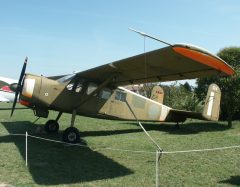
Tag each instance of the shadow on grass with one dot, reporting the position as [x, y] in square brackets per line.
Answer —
[234, 180]
[53, 164]
[186, 128]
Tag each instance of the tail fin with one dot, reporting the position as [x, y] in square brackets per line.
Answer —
[157, 94]
[212, 103]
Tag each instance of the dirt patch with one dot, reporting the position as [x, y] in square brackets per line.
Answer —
[5, 185]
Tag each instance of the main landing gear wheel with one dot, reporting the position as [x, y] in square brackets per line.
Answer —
[51, 126]
[71, 135]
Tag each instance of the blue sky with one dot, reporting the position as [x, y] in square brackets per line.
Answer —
[62, 36]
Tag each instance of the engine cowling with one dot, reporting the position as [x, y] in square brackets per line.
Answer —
[37, 93]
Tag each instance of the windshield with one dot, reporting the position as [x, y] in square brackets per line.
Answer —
[66, 78]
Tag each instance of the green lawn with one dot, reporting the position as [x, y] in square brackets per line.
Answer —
[52, 164]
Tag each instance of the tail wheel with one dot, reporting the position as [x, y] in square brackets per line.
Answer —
[52, 126]
[71, 135]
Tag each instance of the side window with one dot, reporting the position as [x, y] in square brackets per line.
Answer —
[79, 88]
[91, 88]
[105, 93]
[120, 96]
[70, 86]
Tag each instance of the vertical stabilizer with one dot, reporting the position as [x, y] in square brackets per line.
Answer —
[157, 94]
[212, 103]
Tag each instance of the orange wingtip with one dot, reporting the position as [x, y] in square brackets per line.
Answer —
[205, 59]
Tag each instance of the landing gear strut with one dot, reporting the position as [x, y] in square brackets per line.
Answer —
[177, 126]
[71, 134]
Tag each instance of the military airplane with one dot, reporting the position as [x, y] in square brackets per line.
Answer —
[6, 94]
[99, 92]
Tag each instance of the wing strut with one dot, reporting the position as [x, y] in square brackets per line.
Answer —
[154, 142]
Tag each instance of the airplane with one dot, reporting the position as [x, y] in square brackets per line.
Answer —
[99, 92]
[6, 93]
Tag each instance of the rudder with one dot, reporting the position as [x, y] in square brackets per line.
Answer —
[212, 103]
[157, 94]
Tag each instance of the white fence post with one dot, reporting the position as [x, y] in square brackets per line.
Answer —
[158, 154]
[26, 154]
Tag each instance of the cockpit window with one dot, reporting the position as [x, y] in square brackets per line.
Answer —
[105, 93]
[66, 78]
[70, 86]
[79, 88]
[120, 96]
[91, 88]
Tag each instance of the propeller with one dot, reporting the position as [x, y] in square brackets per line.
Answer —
[18, 87]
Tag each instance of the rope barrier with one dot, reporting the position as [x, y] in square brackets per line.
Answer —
[85, 146]
[201, 150]
[127, 150]
[56, 141]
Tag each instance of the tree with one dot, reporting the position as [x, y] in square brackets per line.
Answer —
[181, 96]
[187, 86]
[230, 86]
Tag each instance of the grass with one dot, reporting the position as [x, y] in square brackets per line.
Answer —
[52, 164]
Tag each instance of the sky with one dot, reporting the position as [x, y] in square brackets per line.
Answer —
[62, 36]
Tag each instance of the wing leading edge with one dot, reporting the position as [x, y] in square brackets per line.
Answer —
[176, 62]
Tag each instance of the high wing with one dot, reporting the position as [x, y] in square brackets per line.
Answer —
[176, 62]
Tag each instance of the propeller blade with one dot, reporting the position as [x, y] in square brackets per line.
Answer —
[22, 72]
[19, 85]
[14, 103]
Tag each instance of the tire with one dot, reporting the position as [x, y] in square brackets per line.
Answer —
[51, 126]
[71, 135]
